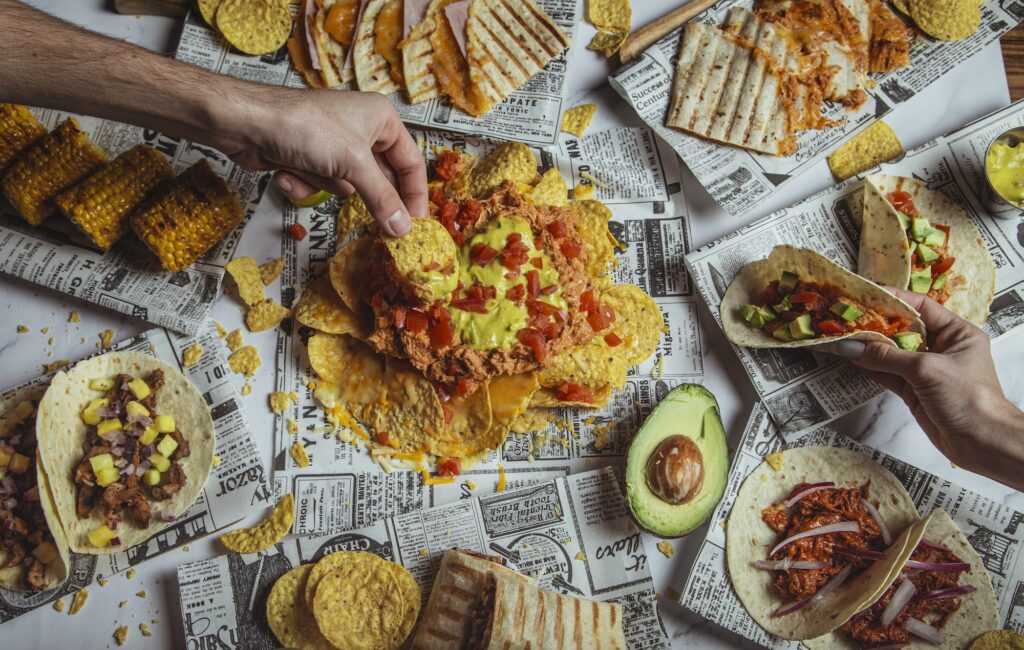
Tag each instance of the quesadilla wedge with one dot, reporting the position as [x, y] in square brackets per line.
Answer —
[373, 71]
[918, 239]
[797, 297]
[33, 549]
[127, 443]
[418, 51]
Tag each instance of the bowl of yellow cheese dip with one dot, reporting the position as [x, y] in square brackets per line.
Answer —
[1004, 174]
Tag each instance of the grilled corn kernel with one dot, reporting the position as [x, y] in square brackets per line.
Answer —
[54, 163]
[18, 129]
[187, 217]
[101, 204]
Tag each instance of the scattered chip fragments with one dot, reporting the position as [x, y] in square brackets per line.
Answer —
[298, 453]
[234, 340]
[56, 365]
[265, 534]
[221, 332]
[774, 460]
[551, 190]
[245, 361]
[216, 460]
[144, 630]
[254, 26]
[577, 119]
[130, 573]
[78, 602]
[22, 329]
[106, 338]
[666, 548]
[321, 308]
[270, 271]
[121, 635]
[192, 354]
[872, 146]
[265, 315]
[58, 605]
[279, 401]
[293, 426]
[945, 20]
[73, 317]
[246, 274]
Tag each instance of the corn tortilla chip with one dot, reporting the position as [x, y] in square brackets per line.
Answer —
[411, 412]
[352, 372]
[577, 119]
[279, 401]
[551, 190]
[270, 271]
[332, 562]
[425, 259]
[255, 26]
[607, 42]
[265, 534]
[288, 617]
[321, 308]
[872, 146]
[510, 161]
[612, 15]
[265, 315]
[592, 364]
[348, 272]
[234, 340]
[354, 215]
[245, 360]
[191, 355]
[638, 321]
[298, 454]
[593, 227]
[208, 10]
[468, 430]
[946, 20]
[359, 606]
[246, 274]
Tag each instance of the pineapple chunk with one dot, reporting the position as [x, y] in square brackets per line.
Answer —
[5, 458]
[159, 461]
[148, 436]
[107, 426]
[136, 408]
[101, 536]
[167, 446]
[18, 463]
[139, 388]
[101, 462]
[164, 423]
[89, 414]
[151, 477]
[101, 384]
[45, 552]
[105, 477]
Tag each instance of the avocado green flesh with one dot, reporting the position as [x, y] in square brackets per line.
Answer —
[921, 281]
[909, 341]
[691, 411]
[926, 254]
[801, 328]
[788, 281]
[845, 311]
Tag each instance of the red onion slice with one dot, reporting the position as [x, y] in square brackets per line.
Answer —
[949, 592]
[873, 511]
[829, 587]
[938, 566]
[923, 630]
[932, 546]
[787, 564]
[859, 552]
[10, 504]
[899, 600]
[800, 493]
[838, 527]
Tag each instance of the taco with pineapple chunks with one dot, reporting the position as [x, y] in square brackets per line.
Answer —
[33, 549]
[918, 239]
[127, 444]
[797, 297]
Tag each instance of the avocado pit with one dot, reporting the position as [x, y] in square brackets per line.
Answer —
[675, 471]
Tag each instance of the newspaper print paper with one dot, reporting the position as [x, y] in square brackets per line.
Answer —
[801, 389]
[236, 487]
[738, 179]
[573, 534]
[344, 488]
[994, 530]
[128, 278]
[532, 114]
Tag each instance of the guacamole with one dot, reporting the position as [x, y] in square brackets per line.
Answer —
[1005, 167]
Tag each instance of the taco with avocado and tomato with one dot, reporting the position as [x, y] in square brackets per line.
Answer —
[797, 297]
[33, 550]
[127, 443]
[918, 239]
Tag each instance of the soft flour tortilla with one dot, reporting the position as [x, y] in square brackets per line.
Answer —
[749, 539]
[372, 70]
[417, 54]
[979, 611]
[57, 571]
[884, 255]
[811, 266]
[62, 433]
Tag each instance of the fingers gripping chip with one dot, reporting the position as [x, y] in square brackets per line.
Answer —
[254, 26]
[321, 308]
[265, 534]
[425, 261]
[288, 617]
[872, 146]
[551, 190]
[354, 215]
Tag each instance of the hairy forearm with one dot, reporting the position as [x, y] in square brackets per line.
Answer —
[999, 450]
[50, 63]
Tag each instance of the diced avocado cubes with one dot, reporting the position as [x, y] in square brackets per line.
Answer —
[846, 311]
[904, 220]
[148, 436]
[921, 280]
[139, 388]
[782, 334]
[106, 476]
[136, 409]
[913, 246]
[45, 552]
[151, 477]
[159, 461]
[785, 305]
[90, 413]
[18, 463]
[935, 237]
[909, 341]
[167, 446]
[101, 536]
[757, 316]
[919, 229]
[926, 254]
[801, 328]
[101, 462]
[788, 281]
[107, 426]
[164, 423]
[101, 384]
[940, 281]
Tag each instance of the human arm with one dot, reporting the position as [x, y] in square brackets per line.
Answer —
[331, 140]
[953, 392]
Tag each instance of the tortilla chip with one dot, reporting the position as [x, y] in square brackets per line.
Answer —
[288, 617]
[533, 419]
[270, 271]
[299, 455]
[577, 119]
[265, 534]
[191, 355]
[234, 340]
[208, 10]
[612, 15]
[353, 373]
[425, 260]
[411, 410]
[279, 401]
[359, 606]
[607, 42]
[593, 227]
[946, 20]
[511, 161]
[638, 321]
[265, 315]
[246, 274]
[348, 272]
[245, 361]
[465, 434]
[592, 364]
[255, 26]
[354, 215]
[551, 190]
[372, 70]
[321, 308]
[872, 146]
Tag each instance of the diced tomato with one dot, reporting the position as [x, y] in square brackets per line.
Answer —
[810, 300]
[514, 237]
[608, 313]
[558, 230]
[532, 284]
[468, 304]
[570, 392]
[437, 196]
[469, 212]
[830, 327]
[439, 313]
[512, 275]
[941, 267]
[873, 325]
[449, 209]
[548, 290]
[537, 262]
[514, 255]
[449, 467]
[538, 307]
[516, 292]
[588, 301]
[534, 340]
[382, 438]
[448, 414]
[598, 320]
[297, 231]
[475, 292]
[482, 254]
[612, 339]
[447, 165]
[538, 243]
[416, 320]
[571, 250]
[462, 387]
[441, 334]
[398, 313]
[550, 330]
[903, 202]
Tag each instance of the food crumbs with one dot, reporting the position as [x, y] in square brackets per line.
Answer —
[192, 354]
[50, 367]
[245, 361]
[500, 487]
[470, 484]
[141, 594]
[234, 340]
[299, 455]
[221, 332]
[293, 426]
[121, 635]
[246, 390]
[185, 548]
[423, 551]
[216, 460]
[265, 315]
[155, 621]
[50, 341]
[106, 338]
[78, 601]
[22, 329]
[666, 548]
[581, 192]
[122, 603]
[144, 630]
[279, 401]
[45, 330]
[102, 581]
[73, 317]
[58, 605]
[774, 460]
[246, 274]
[580, 556]
[269, 271]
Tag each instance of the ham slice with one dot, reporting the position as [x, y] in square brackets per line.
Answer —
[414, 11]
[457, 14]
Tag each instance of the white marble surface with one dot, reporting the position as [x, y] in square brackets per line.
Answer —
[976, 88]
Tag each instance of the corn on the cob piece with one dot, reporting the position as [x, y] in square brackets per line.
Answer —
[188, 216]
[54, 163]
[101, 204]
[18, 129]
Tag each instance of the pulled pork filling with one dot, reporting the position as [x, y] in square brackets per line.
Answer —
[25, 538]
[820, 508]
[866, 627]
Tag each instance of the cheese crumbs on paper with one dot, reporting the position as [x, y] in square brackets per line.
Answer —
[144, 630]
[22, 329]
[106, 338]
[192, 354]
[121, 635]
[130, 574]
[221, 332]
[246, 390]
[216, 460]
[73, 317]
[234, 340]
[774, 460]
[666, 548]
[245, 361]
[577, 119]
[293, 426]
[299, 455]
[279, 401]
[58, 605]
[78, 602]
[103, 581]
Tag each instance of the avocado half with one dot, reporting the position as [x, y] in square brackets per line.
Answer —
[690, 411]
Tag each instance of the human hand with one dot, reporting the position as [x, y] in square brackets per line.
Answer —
[952, 390]
[334, 141]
